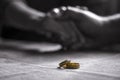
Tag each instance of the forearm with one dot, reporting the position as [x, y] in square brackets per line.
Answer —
[114, 20]
[19, 15]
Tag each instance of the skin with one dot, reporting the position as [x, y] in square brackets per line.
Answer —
[98, 31]
[18, 14]
[93, 30]
[76, 37]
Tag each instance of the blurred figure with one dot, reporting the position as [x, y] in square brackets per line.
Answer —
[102, 31]
[34, 16]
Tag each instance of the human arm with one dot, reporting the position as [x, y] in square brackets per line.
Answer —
[20, 15]
[94, 25]
[101, 30]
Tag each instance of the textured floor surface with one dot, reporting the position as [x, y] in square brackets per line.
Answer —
[25, 64]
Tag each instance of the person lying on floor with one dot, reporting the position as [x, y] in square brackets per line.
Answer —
[98, 31]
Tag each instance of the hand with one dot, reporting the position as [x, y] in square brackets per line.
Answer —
[91, 25]
[95, 29]
[68, 26]
[61, 29]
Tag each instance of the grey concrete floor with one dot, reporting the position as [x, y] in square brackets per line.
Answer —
[25, 64]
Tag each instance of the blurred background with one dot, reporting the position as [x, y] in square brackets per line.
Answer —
[100, 7]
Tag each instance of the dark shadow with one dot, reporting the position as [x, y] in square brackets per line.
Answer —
[35, 52]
